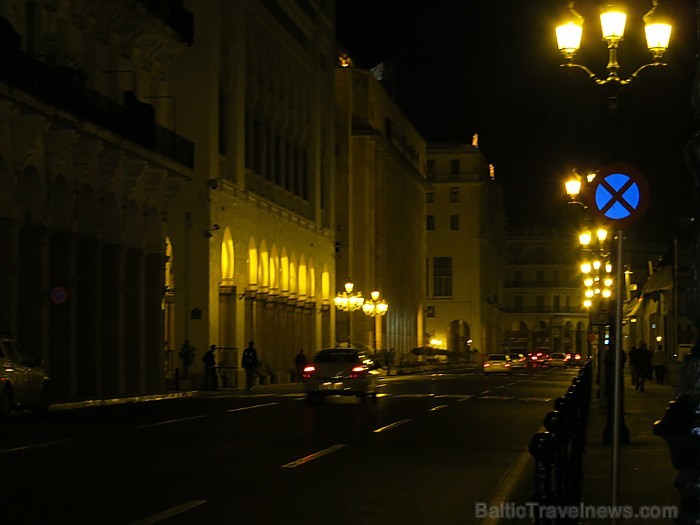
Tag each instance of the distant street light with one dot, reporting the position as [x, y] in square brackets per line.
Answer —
[377, 308]
[349, 302]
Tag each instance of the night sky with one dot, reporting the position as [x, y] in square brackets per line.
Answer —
[491, 67]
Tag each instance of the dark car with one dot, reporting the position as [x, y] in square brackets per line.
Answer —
[341, 372]
[23, 383]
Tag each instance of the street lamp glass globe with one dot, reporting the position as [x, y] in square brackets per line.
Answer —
[586, 267]
[585, 238]
[658, 37]
[612, 23]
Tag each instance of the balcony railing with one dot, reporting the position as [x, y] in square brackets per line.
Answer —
[544, 309]
[63, 89]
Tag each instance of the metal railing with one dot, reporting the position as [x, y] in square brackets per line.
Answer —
[558, 451]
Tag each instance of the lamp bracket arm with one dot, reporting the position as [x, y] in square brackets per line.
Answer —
[588, 72]
[639, 70]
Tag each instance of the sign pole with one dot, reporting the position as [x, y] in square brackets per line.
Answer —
[617, 411]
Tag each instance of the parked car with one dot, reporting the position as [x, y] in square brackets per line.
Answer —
[517, 360]
[497, 364]
[558, 359]
[23, 382]
[341, 372]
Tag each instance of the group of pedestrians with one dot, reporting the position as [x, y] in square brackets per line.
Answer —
[647, 365]
[249, 362]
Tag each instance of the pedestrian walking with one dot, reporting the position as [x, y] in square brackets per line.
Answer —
[658, 361]
[211, 382]
[299, 365]
[640, 361]
[250, 363]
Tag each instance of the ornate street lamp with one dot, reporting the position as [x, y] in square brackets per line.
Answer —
[612, 21]
[658, 33]
[349, 302]
[377, 308]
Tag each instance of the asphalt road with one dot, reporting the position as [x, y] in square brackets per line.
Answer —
[427, 452]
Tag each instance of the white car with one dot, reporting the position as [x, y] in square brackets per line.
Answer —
[341, 372]
[497, 364]
[23, 383]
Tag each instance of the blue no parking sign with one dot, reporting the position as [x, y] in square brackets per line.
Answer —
[619, 195]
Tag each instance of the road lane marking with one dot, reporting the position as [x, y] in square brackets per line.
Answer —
[393, 425]
[170, 421]
[170, 512]
[251, 407]
[439, 407]
[414, 395]
[313, 456]
[543, 399]
[500, 398]
[506, 485]
[38, 445]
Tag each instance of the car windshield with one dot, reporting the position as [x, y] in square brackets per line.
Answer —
[497, 357]
[558, 356]
[335, 356]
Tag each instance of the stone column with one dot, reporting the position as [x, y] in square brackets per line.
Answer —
[154, 358]
[133, 321]
[62, 316]
[87, 336]
[112, 319]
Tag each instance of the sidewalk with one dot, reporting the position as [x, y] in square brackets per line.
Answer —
[645, 472]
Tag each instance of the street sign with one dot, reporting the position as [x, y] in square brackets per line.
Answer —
[59, 295]
[619, 195]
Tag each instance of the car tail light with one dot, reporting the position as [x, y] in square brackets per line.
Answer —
[506, 365]
[357, 371]
[577, 356]
[309, 370]
[486, 365]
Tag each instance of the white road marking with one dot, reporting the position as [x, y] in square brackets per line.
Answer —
[501, 398]
[170, 421]
[393, 425]
[251, 407]
[313, 456]
[170, 512]
[439, 407]
[38, 445]
[507, 483]
[459, 397]
[414, 395]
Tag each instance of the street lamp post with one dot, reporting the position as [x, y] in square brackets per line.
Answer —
[349, 302]
[658, 33]
[377, 308]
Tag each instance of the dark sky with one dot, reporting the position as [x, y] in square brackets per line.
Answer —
[492, 67]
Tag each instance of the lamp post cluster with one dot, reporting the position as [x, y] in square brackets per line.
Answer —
[612, 22]
[375, 307]
[596, 268]
[569, 33]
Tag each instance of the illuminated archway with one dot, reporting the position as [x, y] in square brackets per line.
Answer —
[227, 259]
[252, 264]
